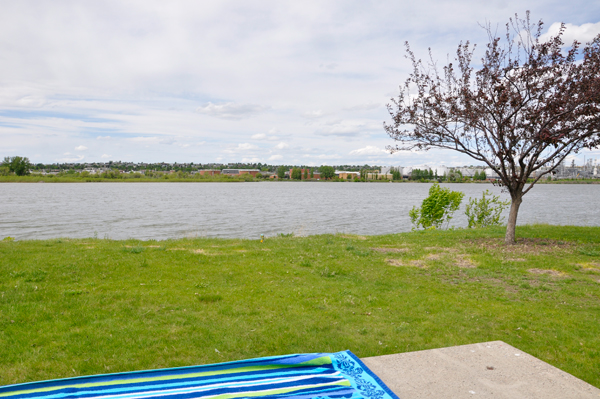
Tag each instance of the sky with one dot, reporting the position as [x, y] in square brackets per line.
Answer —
[278, 82]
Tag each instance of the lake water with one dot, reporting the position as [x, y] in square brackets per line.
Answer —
[247, 210]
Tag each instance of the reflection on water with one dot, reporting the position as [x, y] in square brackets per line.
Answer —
[247, 210]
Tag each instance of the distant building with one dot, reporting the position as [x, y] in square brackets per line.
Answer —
[209, 172]
[490, 174]
[239, 172]
[346, 175]
[252, 172]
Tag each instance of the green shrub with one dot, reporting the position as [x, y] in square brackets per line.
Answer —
[486, 211]
[437, 208]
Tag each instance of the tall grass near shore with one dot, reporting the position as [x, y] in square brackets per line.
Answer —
[80, 307]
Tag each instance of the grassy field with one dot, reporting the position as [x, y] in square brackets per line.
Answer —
[78, 307]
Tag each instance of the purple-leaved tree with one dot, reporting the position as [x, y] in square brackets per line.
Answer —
[528, 105]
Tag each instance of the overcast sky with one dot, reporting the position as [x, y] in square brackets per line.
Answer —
[278, 82]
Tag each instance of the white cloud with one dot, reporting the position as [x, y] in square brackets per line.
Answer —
[104, 156]
[230, 111]
[282, 146]
[251, 160]
[331, 65]
[32, 102]
[363, 107]
[348, 128]
[324, 156]
[71, 159]
[242, 148]
[275, 157]
[188, 145]
[263, 136]
[143, 140]
[103, 138]
[247, 146]
[314, 114]
[369, 150]
[81, 148]
[582, 33]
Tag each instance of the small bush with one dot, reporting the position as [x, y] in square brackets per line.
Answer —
[486, 211]
[437, 209]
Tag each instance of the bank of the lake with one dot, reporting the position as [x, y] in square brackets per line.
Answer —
[88, 306]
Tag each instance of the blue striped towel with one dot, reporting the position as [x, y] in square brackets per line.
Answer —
[305, 376]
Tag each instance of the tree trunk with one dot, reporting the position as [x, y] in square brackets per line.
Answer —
[512, 218]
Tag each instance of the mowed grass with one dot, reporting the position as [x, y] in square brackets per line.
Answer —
[80, 307]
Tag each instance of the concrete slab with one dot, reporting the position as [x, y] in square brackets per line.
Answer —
[486, 370]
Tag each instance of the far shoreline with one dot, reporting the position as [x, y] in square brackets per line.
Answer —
[65, 179]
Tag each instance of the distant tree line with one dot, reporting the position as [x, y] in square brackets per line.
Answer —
[21, 166]
[185, 167]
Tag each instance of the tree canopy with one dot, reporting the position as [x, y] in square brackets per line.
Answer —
[281, 172]
[327, 172]
[527, 106]
[296, 173]
[18, 165]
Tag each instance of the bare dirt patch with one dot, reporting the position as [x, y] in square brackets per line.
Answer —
[395, 262]
[433, 257]
[590, 267]
[390, 250]
[198, 251]
[441, 249]
[535, 246]
[516, 260]
[362, 238]
[554, 273]
[463, 261]
[411, 263]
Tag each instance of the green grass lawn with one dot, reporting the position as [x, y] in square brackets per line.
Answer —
[90, 306]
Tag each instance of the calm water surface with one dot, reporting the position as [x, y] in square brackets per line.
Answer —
[246, 210]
